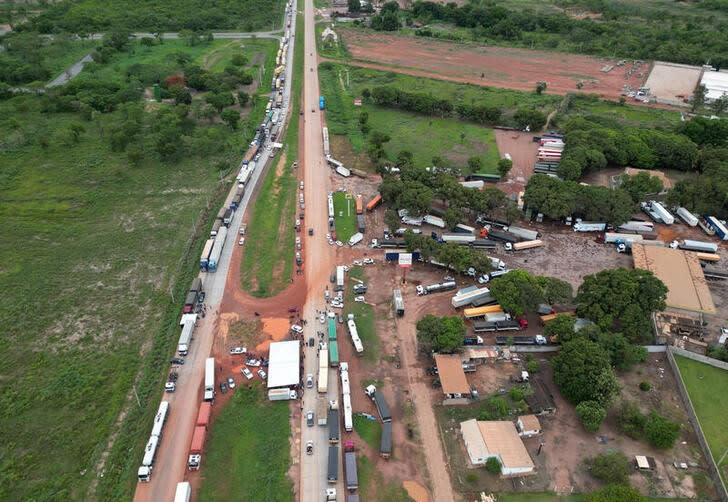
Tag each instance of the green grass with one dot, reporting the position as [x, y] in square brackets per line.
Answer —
[630, 115]
[268, 258]
[371, 482]
[248, 453]
[702, 381]
[552, 497]
[369, 431]
[344, 216]
[363, 315]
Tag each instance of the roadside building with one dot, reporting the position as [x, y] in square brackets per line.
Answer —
[499, 439]
[452, 376]
[284, 364]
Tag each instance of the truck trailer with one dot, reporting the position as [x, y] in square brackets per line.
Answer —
[503, 236]
[206, 251]
[720, 229]
[209, 379]
[475, 313]
[461, 300]
[704, 247]
[348, 416]
[385, 445]
[523, 245]
[372, 204]
[687, 216]
[589, 226]
[144, 473]
[217, 249]
[183, 492]
[185, 338]
[198, 442]
[322, 408]
[354, 334]
[333, 474]
[434, 220]
[340, 276]
[333, 421]
[524, 233]
[458, 238]
[352, 478]
[398, 302]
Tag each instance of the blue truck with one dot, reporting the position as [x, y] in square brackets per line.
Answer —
[321, 103]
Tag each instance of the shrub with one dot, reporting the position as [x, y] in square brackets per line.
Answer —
[493, 465]
[660, 432]
[591, 414]
[471, 477]
[516, 394]
[610, 467]
[645, 386]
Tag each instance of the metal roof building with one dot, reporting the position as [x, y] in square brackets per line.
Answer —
[498, 439]
[452, 376]
[716, 84]
[284, 364]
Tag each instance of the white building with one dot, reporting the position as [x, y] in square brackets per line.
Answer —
[528, 425]
[716, 84]
[498, 439]
[284, 364]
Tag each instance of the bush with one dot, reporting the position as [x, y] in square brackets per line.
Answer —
[516, 394]
[471, 477]
[591, 414]
[660, 432]
[493, 465]
[533, 366]
[616, 493]
[610, 467]
[495, 408]
[645, 386]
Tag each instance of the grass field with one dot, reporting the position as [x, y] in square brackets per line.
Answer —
[363, 315]
[268, 258]
[344, 216]
[630, 115]
[247, 455]
[369, 431]
[552, 497]
[372, 485]
[701, 381]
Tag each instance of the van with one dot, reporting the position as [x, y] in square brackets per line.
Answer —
[296, 328]
[300, 185]
[299, 261]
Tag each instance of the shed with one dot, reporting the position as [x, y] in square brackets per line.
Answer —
[528, 425]
[452, 376]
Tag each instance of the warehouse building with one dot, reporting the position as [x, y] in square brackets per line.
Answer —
[716, 84]
[284, 364]
[498, 439]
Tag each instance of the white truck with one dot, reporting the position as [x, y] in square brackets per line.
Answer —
[687, 216]
[185, 337]
[460, 300]
[144, 473]
[209, 379]
[183, 492]
[434, 221]
[340, 275]
[665, 215]
[354, 334]
[356, 239]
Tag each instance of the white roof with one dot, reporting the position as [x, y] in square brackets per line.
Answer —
[284, 364]
[716, 84]
[642, 462]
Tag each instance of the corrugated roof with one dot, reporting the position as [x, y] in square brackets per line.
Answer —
[452, 376]
[284, 364]
[502, 438]
[682, 274]
[473, 353]
[473, 439]
[530, 423]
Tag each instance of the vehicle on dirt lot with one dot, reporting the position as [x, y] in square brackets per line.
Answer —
[322, 318]
[170, 387]
[201, 297]
[341, 319]
[357, 263]
[262, 374]
[223, 387]
[309, 380]
[311, 342]
[245, 371]
[309, 418]
[331, 315]
[297, 328]
[339, 243]
[310, 231]
[332, 278]
[241, 241]
[177, 360]
[368, 261]
[231, 382]
[359, 299]
[238, 350]
[448, 278]
[360, 288]
[253, 362]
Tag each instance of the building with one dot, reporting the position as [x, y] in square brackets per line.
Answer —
[716, 84]
[452, 376]
[528, 425]
[499, 439]
[682, 274]
[284, 365]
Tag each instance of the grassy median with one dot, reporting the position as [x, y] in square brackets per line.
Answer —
[345, 216]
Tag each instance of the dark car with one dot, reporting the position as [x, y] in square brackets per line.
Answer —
[332, 278]
[177, 360]
[311, 342]
[341, 319]
[310, 231]
[293, 309]
[201, 297]
[223, 387]
[309, 418]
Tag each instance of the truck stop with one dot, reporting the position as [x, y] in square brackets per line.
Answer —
[284, 364]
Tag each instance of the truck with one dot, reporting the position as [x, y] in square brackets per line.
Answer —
[466, 299]
[472, 340]
[475, 313]
[340, 276]
[209, 379]
[463, 229]
[688, 217]
[359, 205]
[330, 200]
[281, 394]
[385, 445]
[515, 340]
[503, 236]
[360, 223]
[354, 334]
[321, 103]
[352, 478]
[190, 302]
[589, 226]
[613, 237]
[323, 377]
[497, 316]
[665, 215]
[333, 474]
[343, 171]
[520, 246]
[217, 249]
[372, 204]
[705, 247]
[322, 407]
[398, 302]
[183, 492]
[458, 238]
[333, 423]
[391, 243]
[348, 417]
[436, 288]
[333, 354]
[194, 458]
[185, 338]
[381, 403]
[434, 220]
[215, 227]
[720, 230]
[356, 239]
[206, 251]
[227, 218]
[524, 233]
[144, 473]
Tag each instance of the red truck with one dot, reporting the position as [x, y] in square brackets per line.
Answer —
[203, 416]
[198, 442]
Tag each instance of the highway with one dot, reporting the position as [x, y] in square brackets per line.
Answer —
[171, 461]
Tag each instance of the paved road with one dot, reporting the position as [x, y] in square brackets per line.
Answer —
[171, 461]
[319, 263]
[71, 72]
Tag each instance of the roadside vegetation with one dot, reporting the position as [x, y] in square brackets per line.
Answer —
[344, 216]
[240, 462]
[373, 486]
[106, 206]
[369, 430]
[710, 411]
[363, 316]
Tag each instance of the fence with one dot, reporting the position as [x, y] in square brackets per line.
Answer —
[712, 467]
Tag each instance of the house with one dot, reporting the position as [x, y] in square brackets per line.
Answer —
[528, 425]
[499, 439]
[452, 376]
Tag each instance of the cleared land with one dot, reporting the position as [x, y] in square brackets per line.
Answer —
[496, 66]
[363, 315]
[672, 83]
[345, 216]
[241, 463]
[702, 382]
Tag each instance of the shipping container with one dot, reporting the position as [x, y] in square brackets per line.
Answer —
[523, 233]
[385, 445]
[520, 246]
[198, 443]
[359, 205]
[474, 313]
[372, 204]
[705, 247]
[687, 216]
[204, 414]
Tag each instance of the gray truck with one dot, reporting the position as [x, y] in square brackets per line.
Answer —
[352, 477]
[333, 464]
[333, 421]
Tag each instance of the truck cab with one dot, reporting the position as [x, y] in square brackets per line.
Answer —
[144, 474]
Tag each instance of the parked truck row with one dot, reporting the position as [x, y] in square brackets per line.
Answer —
[144, 473]
[346, 397]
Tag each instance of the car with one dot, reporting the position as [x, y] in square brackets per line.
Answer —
[368, 261]
[292, 309]
[243, 227]
[245, 371]
[309, 380]
[448, 278]
[309, 418]
[310, 231]
[241, 241]
[322, 319]
[332, 278]
[297, 328]
[253, 362]
[328, 236]
[295, 165]
[300, 112]
[201, 297]
[238, 350]
[483, 279]
[231, 382]
[311, 342]
[357, 263]
[331, 315]
[177, 360]
[360, 288]
[345, 267]
[341, 319]
[170, 387]
[262, 374]
[300, 185]
[301, 215]
[223, 387]
[309, 447]
[339, 243]
[359, 299]
[257, 156]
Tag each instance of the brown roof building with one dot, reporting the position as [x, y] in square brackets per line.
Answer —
[452, 376]
[498, 439]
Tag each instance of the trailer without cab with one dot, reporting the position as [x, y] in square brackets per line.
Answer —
[463, 229]
[665, 215]
[281, 394]
[589, 226]
[348, 417]
[483, 244]
[687, 216]
[520, 246]
[333, 464]
[209, 379]
[217, 249]
[322, 406]
[372, 204]
[636, 226]
[502, 236]
[354, 334]
[352, 478]
[190, 301]
[183, 492]
[343, 171]
[359, 205]
[704, 247]
[398, 302]
[185, 338]
[385, 446]
[475, 313]
[434, 220]
[613, 237]
[333, 354]
[460, 300]
[360, 223]
[333, 421]
[515, 340]
[391, 243]
[523, 233]
[458, 238]
[720, 230]
[340, 276]
[323, 376]
[382, 406]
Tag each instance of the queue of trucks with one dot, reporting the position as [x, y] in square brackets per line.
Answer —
[144, 473]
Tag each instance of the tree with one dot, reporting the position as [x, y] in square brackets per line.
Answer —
[640, 185]
[231, 117]
[239, 59]
[354, 6]
[540, 87]
[555, 290]
[720, 104]
[391, 220]
[220, 100]
[698, 98]
[534, 120]
[517, 292]
[611, 467]
[504, 167]
[475, 164]
[440, 334]
[180, 95]
[243, 98]
[561, 327]
[622, 301]
[583, 373]
[616, 493]
[591, 414]
[493, 465]
[363, 117]
[660, 432]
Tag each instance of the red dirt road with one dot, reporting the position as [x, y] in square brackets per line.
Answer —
[499, 66]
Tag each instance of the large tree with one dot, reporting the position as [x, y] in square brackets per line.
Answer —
[622, 300]
[583, 373]
[517, 292]
[440, 334]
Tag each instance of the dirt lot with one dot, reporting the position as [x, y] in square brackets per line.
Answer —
[523, 151]
[494, 66]
[671, 82]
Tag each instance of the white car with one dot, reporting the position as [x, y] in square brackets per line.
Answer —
[357, 263]
[297, 328]
[368, 261]
[241, 241]
[300, 185]
[253, 362]
[339, 243]
[262, 374]
[359, 299]
[322, 318]
[238, 350]
[309, 380]
[328, 237]
[247, 373]
[231, 382]
[483, 279]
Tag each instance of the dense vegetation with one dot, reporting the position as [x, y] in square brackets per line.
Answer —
[519, 292]
[683, 33]
[440, 334]
[92, 16]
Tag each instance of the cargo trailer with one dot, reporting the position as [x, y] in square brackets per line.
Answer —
[520, 246]
[483, 244]
[198, 442]
[434, 220]
[589, 226]
[204, 414]
[217, 249]
[458, 238]
[475, 313]
[348, 417]
[359, 205]
[333, 464]
[687, 216]
[398, 302]
[705, 247]
[613, 237]
[461, 300]
[185, 338]
[183, 492]
[352, 478]
[711, 257]
[720, 229]
[333, 354]
[372, 204]
[360, 223]
[354, 335]
[144, 473]
[206, 251]
[385, 445]
[463, 229]
[323, 374]
[636, 226]
[209, 379]
[523, 233]
[333, 421]
[332, 329]
[665, 215]
[503, 236]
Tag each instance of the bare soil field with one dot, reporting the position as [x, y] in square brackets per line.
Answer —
[493, 66]
[523, 151]
[672, 83]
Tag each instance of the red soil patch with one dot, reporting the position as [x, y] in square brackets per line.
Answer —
[499, 66]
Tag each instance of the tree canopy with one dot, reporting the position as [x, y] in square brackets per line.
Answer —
[583, 372]
[440, 334]
[517, 292]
